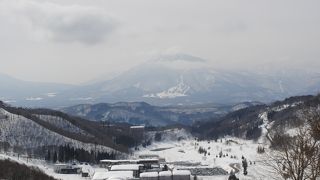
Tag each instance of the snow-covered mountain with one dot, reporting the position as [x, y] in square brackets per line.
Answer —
[177, 79]
[185, 79]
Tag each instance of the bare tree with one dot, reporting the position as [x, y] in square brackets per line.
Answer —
[298, 156]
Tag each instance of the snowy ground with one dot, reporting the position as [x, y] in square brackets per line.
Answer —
[187, 150]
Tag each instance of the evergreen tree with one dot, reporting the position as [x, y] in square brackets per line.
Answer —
[55, 157]
[48, 157]
[61, 154]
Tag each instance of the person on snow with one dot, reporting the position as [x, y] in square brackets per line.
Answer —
[244, 165]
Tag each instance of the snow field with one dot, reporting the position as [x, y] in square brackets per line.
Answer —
[187, 151]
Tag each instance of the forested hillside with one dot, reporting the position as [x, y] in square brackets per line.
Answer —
[249, 122]
[38, 129]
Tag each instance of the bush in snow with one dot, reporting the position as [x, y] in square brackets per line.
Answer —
[202, 150]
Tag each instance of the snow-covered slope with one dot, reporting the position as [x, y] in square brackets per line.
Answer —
[33, 128]
[252, 121]
[20, 131]
[62, 124]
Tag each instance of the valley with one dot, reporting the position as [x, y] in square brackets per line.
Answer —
[209, 149]
[159, 90]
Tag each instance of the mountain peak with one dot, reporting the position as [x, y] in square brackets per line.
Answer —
[178, 57]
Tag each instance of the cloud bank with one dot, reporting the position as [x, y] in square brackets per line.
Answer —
[73, 23]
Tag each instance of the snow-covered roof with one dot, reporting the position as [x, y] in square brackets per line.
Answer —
[112, 175]
[149, 174]
[165, 173]
[133, 167]
[136, 127]
[127, 160]
[118, 161]
[181, 172]
[147, 160]
[61, 164]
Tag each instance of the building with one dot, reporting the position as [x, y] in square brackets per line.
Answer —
[107, 163]
[181, 175]
[147, 163]
[66, 169]
[135, 168]
[149, 176]
[113, 175]
[165, 175]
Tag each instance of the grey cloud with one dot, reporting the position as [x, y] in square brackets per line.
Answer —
[179, 57]
[67, 23]
[234, 27]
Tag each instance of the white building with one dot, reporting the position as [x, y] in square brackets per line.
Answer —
[114, 175]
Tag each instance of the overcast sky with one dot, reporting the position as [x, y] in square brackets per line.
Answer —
[73, 41]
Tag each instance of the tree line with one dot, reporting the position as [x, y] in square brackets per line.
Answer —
[68, 154]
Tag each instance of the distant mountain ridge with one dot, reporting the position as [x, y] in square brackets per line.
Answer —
[25, 93]
[141, 113]
[248, 123]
